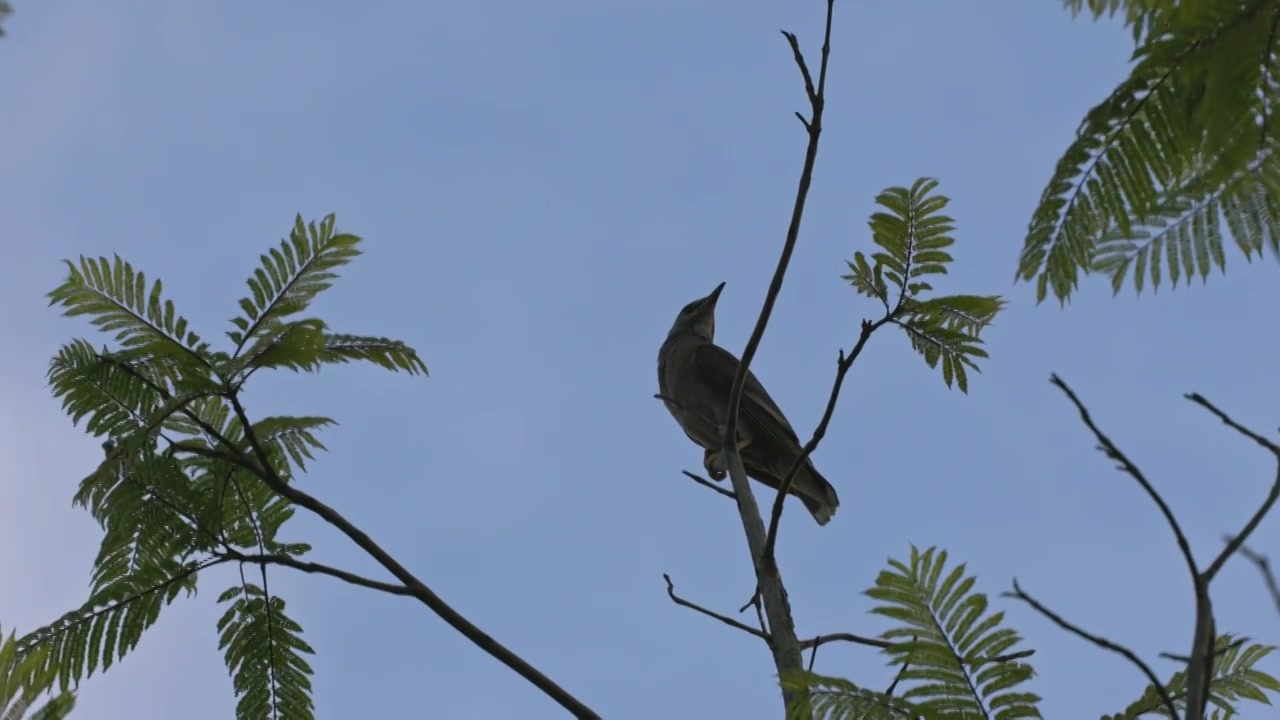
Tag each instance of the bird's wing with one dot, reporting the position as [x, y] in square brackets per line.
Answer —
[716, 367]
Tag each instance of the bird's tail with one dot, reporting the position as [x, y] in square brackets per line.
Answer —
[816, 493]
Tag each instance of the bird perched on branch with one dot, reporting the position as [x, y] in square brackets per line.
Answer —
[694, 381]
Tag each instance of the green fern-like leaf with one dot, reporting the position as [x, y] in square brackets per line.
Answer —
[264, 649]
[290, 277]
[913, 234]
[385, 353]
[21, 687]
[1182, 150]
[951, 644]
[109, 625]
[937, 342]
[820, 697]
[913, 237]
[186, 479]
[868, 280]
[1234, 679]
[117, 299]
[294, 437]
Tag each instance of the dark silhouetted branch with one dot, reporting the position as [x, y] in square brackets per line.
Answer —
[671, 592]
[1237, 541]
[1111, 451]
[1102, 643]
[1264, 568]
[707, 483]
[316, 568]
[1204, 650]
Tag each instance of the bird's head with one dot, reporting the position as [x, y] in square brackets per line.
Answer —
[698, 318]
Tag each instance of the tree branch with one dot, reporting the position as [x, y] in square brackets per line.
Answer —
[1236, 542]
[843, 364]
[316, 568]
[1102, 643]
[1111, 451]
[785, 645]
[671, 592]
[707, 483]
[263, 471]
[416, 587]
[1264, 568]
[1204, 652]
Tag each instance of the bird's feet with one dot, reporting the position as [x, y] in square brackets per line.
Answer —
[714, 466]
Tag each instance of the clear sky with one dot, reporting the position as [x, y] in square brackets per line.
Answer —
[541, 187]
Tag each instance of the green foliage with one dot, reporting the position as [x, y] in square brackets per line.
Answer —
[1180, 155]
[955, 659]
[1235, 678]
[188, 480]
[913, 237]
[262, 643]
[22, 682]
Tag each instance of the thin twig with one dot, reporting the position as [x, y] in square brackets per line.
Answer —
[316, 568]
[885, 644]
[846, 637]
[1225, 648]
[671, 592]
[1102, 643]
[1236, 542]
[1114, 453]
[897, 678]
[1264, 568]
[707, 483]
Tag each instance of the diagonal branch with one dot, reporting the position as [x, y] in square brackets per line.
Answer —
[260, 466]
[1236, 542]
[316, 568]
[707, 483]
[671, 592]
[1263, 563]
[1111, 451]
[1101, 642]
[1200, 662]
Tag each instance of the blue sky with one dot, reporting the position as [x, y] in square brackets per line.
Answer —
[541, 187]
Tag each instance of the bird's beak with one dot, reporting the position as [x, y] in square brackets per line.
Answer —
[715, 295]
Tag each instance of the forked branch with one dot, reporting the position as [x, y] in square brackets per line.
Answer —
[1200, 662]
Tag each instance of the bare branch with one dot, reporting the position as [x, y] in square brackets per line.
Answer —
[316, 568]
[817, 101]
[671, 592]
[1114, 453]
[843, 363]
[1200, 400]
[1100, 642]
[1264, 568]
[707, 483]
[897, 678]
[845, 637]
[1225, 648]
[809, 90]
[1236, 542]
[885, 644]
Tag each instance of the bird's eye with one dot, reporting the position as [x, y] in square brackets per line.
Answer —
[690, 308]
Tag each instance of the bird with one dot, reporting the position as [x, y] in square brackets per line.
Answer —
[694, 380]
